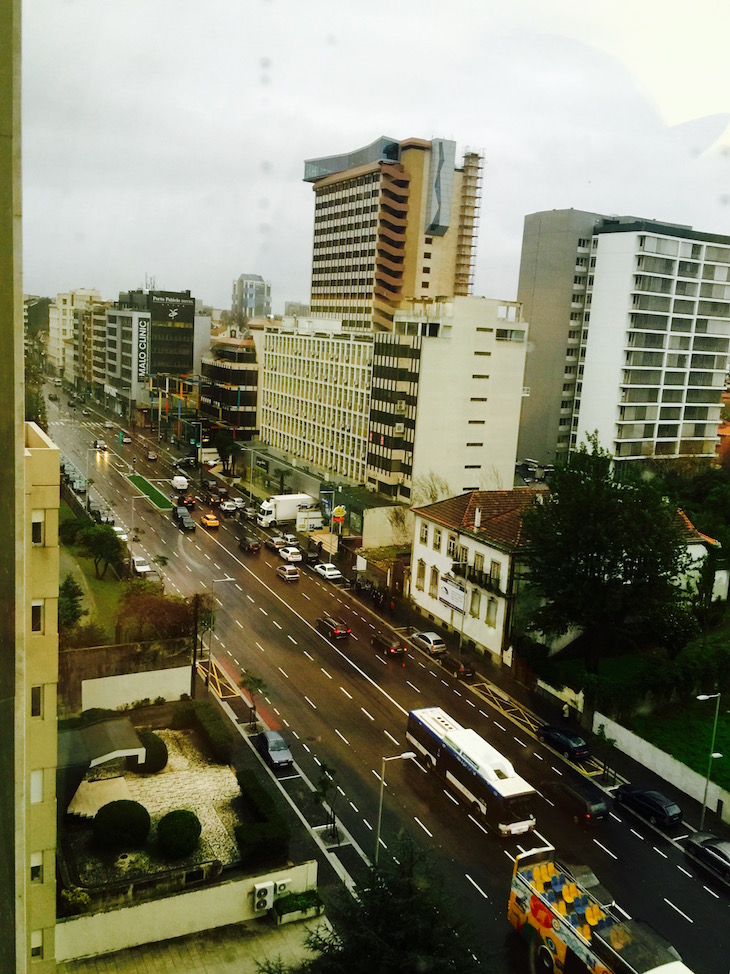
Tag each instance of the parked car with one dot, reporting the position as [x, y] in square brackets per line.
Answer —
[275, 542]
[187, 462]
[250, 545]
[431, 642]
[209, 520]
[565, 741]
[140, 565]
[710, 851]
[79, 486]
[180, 511]
[311, 556]
[120, 533]
[582, 800]
[151, 455]
[53, 397]
[650, 804]
[333, 628]
[108, 425]
[290, 573]
[290, 554]
[250, 513]
[228, 507]
[457, 666]
[274, 750]
[240, 502]
[389, 645]
[186, 523]
[329, 571]
[291, 539]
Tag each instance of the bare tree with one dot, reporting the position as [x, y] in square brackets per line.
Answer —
[430, 488]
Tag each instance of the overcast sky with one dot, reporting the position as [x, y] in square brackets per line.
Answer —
[167, 138]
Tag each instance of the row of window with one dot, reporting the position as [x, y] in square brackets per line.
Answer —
[475, 598]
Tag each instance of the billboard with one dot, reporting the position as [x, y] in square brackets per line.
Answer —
[451, 593]
[143, 348]
[170, 308]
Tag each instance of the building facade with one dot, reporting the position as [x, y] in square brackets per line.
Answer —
[251, 297]
[629, 334]
[229, 385]
[393, 221]
[63, 316]
[463, 565]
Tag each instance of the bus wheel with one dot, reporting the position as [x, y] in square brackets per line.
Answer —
[541, 959]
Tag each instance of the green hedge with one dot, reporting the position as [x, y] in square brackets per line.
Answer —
[155, 758]
[121, 824]
[178, 833]
[267, 837]
[214, 729]
[296, 902]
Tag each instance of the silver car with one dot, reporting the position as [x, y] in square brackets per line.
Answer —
[431, 642]
[274, 750]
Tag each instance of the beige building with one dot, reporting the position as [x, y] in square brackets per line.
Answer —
[393, 221]
[29, 484]
[63, 332]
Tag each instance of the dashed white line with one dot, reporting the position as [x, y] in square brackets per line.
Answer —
[470, 702]
[310, 703]
[663, 854]
[306, 597]
[365, 822]
[557, 771]
[278, 626]
[451, 797]
[476, 886]
[669, 903]
[260, 647]
[261, 609]
[520, 742]
[283, 673]
[413, 686]
[249, 598]
[711, 892]
[478, 824]
[344, 739]
[538, 756]
[637, 834]
[388, 734]
[239, 587]
[325, 672]
[239, 624]
[292, 639]
[309, 655]
[685, 871]
[607, 851]
[497, 724]
[366, 713]
[348, 695]
[354, 807]
[419, 822]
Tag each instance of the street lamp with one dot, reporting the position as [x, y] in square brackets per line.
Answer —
[406, 755]
[713, 753]
[213, 581]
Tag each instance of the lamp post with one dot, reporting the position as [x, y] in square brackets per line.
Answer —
[395, 757]
[713, 753]
[226, 578]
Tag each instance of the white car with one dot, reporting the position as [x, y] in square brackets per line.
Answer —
[329, 571]
[108, 425]
[431, 642]
[120, 533]
[140, 566]
[291, 539]
[240, 502]
[290, 554]
[227, 507]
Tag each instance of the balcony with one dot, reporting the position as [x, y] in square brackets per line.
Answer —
[480, 578]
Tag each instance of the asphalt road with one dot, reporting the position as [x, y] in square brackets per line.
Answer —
[342, 705]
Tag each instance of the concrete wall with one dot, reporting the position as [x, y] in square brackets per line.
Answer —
[173, 916]
[114, 691]
[664, 764]
[377, 530]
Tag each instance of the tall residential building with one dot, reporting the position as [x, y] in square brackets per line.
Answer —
[229, 385]
[629, 335]
[62, 321]
[439, 397]
[29, 486]
[251, 297]
[393, 221]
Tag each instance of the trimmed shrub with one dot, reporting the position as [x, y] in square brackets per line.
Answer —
[156, 757]
[298, 902]
[266, 838]
[215, 730]
[178, 833]
[121, 824]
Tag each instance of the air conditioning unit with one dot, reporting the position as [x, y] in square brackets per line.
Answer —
[263, 896]
[399, 428]
[281, 886]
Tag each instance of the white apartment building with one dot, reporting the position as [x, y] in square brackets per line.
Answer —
[463, 565]
[629, 334]
[251, 297]
[315, 394]
[60, 352]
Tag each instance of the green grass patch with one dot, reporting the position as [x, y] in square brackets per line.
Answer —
[687, 736]
[161, 501]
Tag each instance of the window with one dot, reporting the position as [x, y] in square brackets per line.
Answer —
[492, 613]
[426, 254]
[433, 585]
[478, 561]
[36, 944]
[36, 787]
[421, 575]
[451, 546]
[36, 701]
[36, 867]
[495, 569]
[36, 616]
[475, 602]
[437, 539]
[423, 535]
[426, 270]
[37, 532]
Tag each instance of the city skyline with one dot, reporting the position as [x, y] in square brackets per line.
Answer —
[166, 142]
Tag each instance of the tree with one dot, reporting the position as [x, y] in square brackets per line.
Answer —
[401, 922]
[103, 545]
[604, 552]
[326, 795]
[70, 610]
[145, 613]
[429, 488]
[253, 685]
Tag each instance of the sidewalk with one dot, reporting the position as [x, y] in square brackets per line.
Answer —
[234, 949]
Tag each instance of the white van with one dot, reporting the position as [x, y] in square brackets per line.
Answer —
[180, 483]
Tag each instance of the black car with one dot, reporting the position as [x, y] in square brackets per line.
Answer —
[565, 741]
[180, 511]
[710, 851]
[186, 500]
[389, 645]
[457, 666]
[186, 523]
[582, 800]
[333, 628]
[650, 804]
[187, 462]
[250, 545]
[274, 750]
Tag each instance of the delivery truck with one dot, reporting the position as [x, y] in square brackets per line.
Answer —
[282, 508]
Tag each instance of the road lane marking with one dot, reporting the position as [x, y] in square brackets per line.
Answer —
[607, 851]
[388, 734]
[476, 886]
[478, 824]
[520, 742]
[685, 871]
[239, 587]
[249, 598]
[343, 738]
[306, 597]
[325, 672]
[348, 695]
[260, 647]
[669, 903]
[309, 655]
[283, 673]
[261, 609]
[276, 624]
[637, 834]
[413, 686]
[354, 807]
[366, 713]
[500, 726]
[310, 703]
[663, 854]
[450, 797]
[711, 892]
[239, 624]
[292, 639]
[419, 822]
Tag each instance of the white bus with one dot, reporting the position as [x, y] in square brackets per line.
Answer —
[474, 770]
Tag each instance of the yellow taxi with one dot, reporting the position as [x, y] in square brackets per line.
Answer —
[209, 520]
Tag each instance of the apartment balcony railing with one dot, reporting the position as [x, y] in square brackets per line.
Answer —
[479, 577]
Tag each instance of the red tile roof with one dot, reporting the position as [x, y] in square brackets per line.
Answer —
[500, 514]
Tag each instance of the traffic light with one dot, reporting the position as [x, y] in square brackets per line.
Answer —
[263, 897]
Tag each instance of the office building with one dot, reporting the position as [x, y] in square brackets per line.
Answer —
[629, 334]
[29, 481]
[62, 352]
[229, 385]
[251, 298]
[393, 221]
